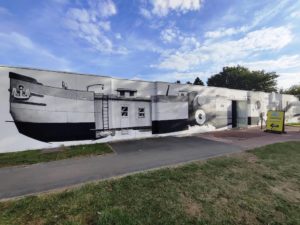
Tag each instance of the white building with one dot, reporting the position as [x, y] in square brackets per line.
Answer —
[51, 106]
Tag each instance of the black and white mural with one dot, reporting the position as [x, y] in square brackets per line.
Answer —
[47, 108]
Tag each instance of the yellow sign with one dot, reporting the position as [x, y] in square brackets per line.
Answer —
[275, 121]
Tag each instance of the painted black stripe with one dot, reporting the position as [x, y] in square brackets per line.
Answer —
[168, 99]
[126, 128]
[28, 103]
[17, 76]
[112, 98]
[36, 95]
[167, 126]
[51, 132]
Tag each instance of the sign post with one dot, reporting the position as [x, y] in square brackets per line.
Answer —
[275, 121]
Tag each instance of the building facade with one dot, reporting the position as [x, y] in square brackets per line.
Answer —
[51, 106]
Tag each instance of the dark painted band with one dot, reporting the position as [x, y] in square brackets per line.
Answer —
[28, 103]
[51, 132]
[36, 95]
[16, 76]
[164, 98]
[115, 98]
[167, 126]
[126, 128]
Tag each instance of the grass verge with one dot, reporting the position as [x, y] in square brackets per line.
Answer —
[37, 156]
[293, 124]
[261, 186]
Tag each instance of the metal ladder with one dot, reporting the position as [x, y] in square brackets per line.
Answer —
[105, 112]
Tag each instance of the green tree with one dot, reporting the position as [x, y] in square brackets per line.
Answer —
[293, 90]
[198, 81]
[242, 78]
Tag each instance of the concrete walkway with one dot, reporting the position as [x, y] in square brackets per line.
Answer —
[252, 137]
[129, 157]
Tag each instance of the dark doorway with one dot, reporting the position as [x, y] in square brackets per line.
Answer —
[234, 114]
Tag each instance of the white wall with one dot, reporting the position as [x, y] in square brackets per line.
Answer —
[12, 140]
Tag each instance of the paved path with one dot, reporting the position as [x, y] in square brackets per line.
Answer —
[130, 156]
[252, 137]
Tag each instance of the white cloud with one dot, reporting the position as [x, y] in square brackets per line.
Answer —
[188, 43]
[118, 36]
[187, 58]
[173, 34]
[39, 56]
[163, 7]
[169, 34]
[80, 15]
[261, 16]
[295, 14]
[105, 25]
[145, 13]
[285, 62]
[92, 25]
[286, 80]
[103, 8]
[222, 32]
[107, 8]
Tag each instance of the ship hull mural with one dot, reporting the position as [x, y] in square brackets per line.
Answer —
[51, 114]
[114, 107]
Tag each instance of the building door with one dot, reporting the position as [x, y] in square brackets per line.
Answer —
[239, 110]
[124, 116]
[234, 114]
[242, 114]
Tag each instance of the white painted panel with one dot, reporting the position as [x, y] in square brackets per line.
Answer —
[170, 110]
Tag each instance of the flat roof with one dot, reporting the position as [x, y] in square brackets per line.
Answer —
[95, 75]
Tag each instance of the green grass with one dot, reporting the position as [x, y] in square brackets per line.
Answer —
[293, 124]
[37, 156]
[261, 186]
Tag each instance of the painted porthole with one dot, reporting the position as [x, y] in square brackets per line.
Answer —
[200, 116]
[257, 105]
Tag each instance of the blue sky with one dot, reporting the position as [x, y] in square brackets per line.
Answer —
[165, 40]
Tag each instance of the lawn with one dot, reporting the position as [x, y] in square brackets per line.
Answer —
[37, 156]
[293, 124]
[261, 186]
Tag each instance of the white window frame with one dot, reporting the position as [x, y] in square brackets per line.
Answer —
[124, 112]
[141, 114]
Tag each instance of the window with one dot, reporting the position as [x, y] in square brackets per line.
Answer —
[122, 93]
[131, 93]
[124, 111]
[141, 112]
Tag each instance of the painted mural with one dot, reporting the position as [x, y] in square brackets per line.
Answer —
[50, 107]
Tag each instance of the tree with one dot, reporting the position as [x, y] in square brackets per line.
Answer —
[198, 81]
[178, 82]
[188, 82]
[293, 90]
[242, 78]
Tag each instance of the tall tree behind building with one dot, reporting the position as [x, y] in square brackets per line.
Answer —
[240, 77]
[293, 90]
[198, 81]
